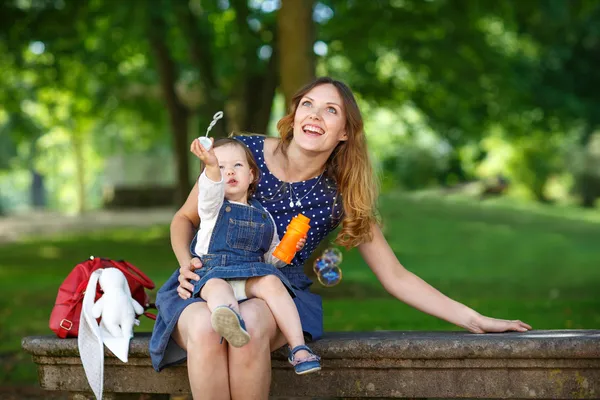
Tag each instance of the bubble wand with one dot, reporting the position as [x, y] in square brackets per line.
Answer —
[205, 140]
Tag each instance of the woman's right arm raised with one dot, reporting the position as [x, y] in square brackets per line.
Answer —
[183, 228]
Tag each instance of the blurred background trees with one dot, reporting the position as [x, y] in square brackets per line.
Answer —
[100, 97]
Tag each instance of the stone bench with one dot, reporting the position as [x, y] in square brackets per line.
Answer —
[558, 364]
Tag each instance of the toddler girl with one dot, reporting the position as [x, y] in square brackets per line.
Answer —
[235, 242]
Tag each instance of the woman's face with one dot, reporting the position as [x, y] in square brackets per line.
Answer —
[320, 119]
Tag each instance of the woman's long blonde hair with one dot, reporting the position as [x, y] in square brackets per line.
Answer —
[349, 166]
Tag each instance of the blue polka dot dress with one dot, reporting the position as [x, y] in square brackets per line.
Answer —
[317, 199]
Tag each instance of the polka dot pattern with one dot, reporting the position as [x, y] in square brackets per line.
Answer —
[317, 198]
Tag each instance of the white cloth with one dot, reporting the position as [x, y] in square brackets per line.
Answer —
[239, 288]
[89, 340]
[211, 196]
[92, 337]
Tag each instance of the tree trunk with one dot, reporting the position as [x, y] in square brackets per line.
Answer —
[259, 97]
[296, 37]
[588, 183]
[38, 191]
[178, 114]
[199, 52]
[77, 143]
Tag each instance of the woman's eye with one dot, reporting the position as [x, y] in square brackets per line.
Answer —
[306, 103]
[239, 164]
[221, 167]
[331, 110]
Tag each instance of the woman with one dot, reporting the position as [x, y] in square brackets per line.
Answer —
[319, 167]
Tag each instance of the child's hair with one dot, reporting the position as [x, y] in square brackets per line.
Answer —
[348, 165]
[249, 157]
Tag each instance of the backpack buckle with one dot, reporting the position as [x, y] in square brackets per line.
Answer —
[65, 327]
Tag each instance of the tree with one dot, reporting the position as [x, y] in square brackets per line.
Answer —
[207, 57]
[296, 34]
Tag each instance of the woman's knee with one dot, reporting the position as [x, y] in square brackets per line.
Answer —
[258, 319]
[195, 330]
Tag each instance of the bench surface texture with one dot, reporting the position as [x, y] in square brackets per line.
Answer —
[557, 364]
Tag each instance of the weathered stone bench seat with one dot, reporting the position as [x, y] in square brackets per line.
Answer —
[558, 364]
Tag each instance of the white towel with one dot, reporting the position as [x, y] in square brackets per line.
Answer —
[89, 339]
[92, 337]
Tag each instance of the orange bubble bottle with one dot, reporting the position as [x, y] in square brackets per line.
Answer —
[296, 230]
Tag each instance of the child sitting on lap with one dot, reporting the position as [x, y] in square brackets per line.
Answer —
[235, 242]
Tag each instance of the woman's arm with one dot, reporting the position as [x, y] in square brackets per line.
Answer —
[183, 228]
[409, 288]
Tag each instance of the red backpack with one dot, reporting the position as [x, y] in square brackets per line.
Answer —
[64, 319]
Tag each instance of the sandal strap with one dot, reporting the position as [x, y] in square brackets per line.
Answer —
[310, 358]
[301, 347]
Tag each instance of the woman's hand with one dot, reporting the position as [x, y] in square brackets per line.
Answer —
[186, 273]
[483, 324]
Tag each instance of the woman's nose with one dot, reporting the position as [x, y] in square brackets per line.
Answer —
[316, 113]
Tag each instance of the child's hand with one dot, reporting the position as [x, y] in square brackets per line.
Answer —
[208, 157]
[300, 244]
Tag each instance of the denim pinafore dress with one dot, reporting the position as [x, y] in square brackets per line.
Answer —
[241, 237]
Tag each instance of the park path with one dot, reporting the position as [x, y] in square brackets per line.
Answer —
[39, 223]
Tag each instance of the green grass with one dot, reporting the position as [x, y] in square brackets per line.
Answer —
[540, 264]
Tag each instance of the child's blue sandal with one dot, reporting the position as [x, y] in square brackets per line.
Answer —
[230, 325]
[306, 365]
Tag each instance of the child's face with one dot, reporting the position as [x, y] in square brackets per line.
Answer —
[235, 171]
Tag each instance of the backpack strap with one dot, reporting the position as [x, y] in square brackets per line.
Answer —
[132, 271]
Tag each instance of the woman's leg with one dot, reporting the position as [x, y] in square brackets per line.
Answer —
[207, 359]
[217, 292]
[275, 294]
[250, 366]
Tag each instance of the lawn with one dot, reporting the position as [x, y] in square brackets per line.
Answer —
[538, 264]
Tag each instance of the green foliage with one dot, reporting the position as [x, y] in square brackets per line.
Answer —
[470, 66]
[538, 157]
[89, 71]
[411, 167]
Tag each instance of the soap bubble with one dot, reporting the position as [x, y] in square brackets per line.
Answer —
[320, 264]
[327, 267]
[333, 255]
[329, 276]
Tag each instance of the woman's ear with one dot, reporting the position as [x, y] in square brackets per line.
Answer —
[344, 136]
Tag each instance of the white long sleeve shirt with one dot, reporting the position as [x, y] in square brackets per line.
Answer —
[211, 196]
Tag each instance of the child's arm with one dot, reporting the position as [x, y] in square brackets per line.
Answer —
[269, 257]
[208, 158]
[211, 190]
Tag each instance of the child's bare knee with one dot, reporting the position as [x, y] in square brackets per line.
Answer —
[214, 284]
[269, 284]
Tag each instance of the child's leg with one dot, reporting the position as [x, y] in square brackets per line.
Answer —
[225, 312]
[270, 289]
[217, 292]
